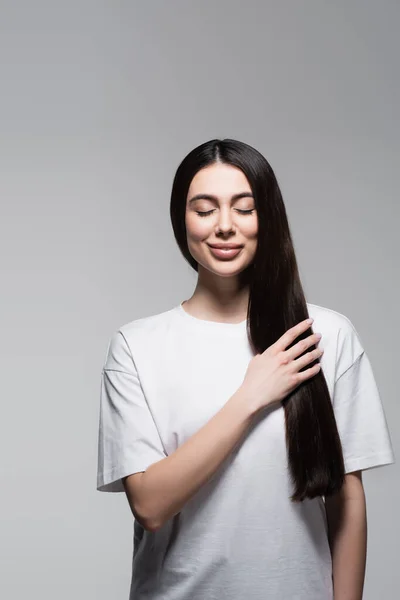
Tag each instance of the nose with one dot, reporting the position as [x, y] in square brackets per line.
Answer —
[225, 221]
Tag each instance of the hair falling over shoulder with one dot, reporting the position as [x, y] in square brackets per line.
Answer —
[276, 303]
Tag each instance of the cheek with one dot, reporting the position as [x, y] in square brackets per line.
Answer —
[197, 228]
[250, 228]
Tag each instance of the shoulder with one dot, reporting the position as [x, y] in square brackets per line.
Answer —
[151, 325]
[329, 317]
[339, 333]
[143, 332]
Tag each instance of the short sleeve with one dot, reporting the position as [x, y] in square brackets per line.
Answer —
[359, 412]
[128, 439]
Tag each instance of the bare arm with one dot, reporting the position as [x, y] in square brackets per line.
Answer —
[165, 487]
[159, 493]
[347, 521]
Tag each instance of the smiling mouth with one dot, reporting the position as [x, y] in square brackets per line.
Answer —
[225, 252]
[225, 246]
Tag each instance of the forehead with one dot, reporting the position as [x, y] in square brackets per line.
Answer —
[219, 179]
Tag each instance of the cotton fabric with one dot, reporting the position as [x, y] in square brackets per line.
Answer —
[240, 536]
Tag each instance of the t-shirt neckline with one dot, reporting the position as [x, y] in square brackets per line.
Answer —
[211, 325]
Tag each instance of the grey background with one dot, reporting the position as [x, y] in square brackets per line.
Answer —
[100, 101]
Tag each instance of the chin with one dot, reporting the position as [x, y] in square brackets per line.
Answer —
[223, 269]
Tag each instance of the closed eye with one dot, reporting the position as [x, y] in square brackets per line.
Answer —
[208, 212]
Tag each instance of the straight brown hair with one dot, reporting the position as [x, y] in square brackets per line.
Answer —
[276, 303]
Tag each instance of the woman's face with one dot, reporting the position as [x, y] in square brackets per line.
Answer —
[216, 215]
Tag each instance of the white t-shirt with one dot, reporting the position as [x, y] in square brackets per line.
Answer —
[239, 536]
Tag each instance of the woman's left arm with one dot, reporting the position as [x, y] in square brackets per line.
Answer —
[347, 532]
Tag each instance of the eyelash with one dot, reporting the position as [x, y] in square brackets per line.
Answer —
[208, 212]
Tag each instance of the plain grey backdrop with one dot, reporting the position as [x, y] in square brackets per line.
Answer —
[100, 101]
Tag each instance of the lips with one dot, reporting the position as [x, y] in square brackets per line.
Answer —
[226, 246]
[225, 251]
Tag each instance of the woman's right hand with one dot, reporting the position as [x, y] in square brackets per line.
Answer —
[274, 373]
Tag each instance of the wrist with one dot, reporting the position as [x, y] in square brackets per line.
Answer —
[249, 406]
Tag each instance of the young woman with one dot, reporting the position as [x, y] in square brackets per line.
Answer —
[237, 433]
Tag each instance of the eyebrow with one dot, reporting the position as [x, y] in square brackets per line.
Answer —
[212, 197]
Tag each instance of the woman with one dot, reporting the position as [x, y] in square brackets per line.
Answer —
[238, 437]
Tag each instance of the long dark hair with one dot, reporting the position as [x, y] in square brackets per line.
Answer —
[276, 303]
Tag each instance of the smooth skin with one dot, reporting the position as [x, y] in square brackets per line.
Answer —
[214, 213]
[220, 208]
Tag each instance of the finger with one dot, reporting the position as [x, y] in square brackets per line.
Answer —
[307, 358]
[291, 334]
[302, 345]
[304, 375]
